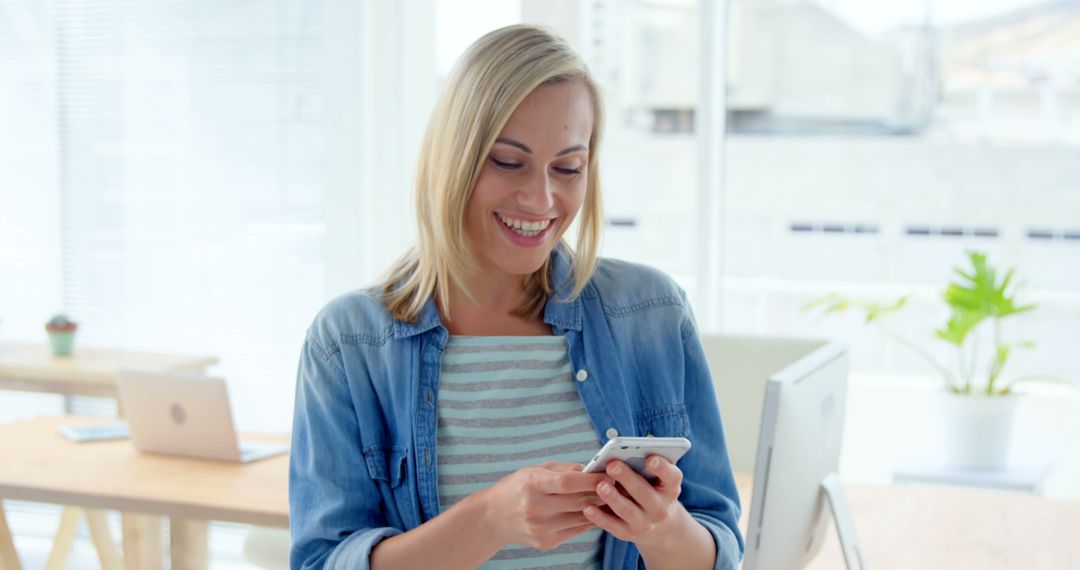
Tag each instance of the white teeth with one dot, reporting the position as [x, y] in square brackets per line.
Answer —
[525, 228]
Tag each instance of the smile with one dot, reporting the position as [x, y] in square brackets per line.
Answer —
[524, 228]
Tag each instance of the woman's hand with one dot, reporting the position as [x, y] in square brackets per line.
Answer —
[541, 506]
[642, 513]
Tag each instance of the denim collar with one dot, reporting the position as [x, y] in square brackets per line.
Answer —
[559, 311]
[562, 311]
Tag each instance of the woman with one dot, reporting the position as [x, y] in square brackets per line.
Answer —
[442, 418]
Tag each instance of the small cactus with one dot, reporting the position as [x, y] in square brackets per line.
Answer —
[61, 323]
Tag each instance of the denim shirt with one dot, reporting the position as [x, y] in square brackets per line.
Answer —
[363, 465]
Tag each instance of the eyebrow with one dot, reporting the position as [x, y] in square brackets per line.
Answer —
[528, 150]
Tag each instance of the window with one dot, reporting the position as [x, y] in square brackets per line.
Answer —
[944, 126]
[161, 182]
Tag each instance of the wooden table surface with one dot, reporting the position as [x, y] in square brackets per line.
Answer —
[41, 465]
[88, 371]
[900, 527]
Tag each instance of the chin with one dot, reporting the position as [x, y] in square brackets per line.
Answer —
[522, 267]
[518, 264]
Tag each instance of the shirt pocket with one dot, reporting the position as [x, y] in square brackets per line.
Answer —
[386, 463]
[663, 421]
[388, 467]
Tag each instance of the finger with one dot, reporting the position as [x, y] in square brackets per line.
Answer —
[671, 477]
[568, 533]
[572, 503]
[621, 506]
[594, 499]
[589, 499]
[637, 487]
[567, 482]
[564, 521]
[562, 466]
[584, 527]
[609, 522]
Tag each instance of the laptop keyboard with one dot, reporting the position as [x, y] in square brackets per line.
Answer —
[252, 450]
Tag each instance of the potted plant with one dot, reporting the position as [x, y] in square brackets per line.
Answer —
[61, 331]
[979, 403]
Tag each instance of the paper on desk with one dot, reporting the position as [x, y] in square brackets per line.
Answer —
[95, 432]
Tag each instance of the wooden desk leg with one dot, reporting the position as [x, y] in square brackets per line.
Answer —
[190, 543]
[99, 533]
[9, 560]
[103, 542]
[65, 535]
[142, 542]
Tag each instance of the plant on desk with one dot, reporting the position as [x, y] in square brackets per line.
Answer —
[979, 406]
[61, 331]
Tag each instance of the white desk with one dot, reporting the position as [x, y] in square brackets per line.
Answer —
[926, 528]
[1020, 479]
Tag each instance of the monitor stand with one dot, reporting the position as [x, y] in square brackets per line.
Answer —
[845, 526]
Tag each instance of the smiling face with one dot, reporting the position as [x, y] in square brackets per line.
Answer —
[533, 182]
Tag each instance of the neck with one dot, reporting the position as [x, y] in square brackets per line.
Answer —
[495, 297]
[493, 293]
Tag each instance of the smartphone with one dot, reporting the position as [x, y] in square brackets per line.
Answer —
[635, 450]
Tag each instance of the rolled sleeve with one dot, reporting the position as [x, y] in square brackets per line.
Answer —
[728, 546]
[709, 490]
[355, 551]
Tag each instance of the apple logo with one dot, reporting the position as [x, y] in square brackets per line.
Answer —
[178, 415]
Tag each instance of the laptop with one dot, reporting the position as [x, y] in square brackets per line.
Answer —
[185, 414]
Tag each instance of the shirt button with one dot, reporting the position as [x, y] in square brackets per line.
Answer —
[582, 375]
[612, 433]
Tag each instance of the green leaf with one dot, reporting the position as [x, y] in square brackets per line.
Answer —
[837, 303]
[875, 311]
[832, 302]
[975, 291]
[960, 324]
[978, 295]
[1000, 356]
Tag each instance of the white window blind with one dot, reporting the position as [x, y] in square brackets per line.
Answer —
[161, 181]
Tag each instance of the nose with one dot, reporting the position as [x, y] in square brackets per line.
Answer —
[537, 195]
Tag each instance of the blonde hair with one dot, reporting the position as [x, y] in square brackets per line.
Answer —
[485, 87]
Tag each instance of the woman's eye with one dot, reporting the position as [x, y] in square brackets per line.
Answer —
[568, 171]
[505, 165]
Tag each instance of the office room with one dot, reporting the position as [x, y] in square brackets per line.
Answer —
[760, 284]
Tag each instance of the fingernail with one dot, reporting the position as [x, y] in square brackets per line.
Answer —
[605, 488]
[616, 470]
[654, 463]
[589, 511]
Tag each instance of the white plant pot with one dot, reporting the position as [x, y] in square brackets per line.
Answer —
[977, 430]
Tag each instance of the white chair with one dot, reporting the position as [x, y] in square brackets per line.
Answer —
[268, 548]
[740, 367]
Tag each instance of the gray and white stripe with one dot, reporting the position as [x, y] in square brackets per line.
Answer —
[507, 403]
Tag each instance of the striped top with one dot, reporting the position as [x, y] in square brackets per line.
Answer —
[508, 402]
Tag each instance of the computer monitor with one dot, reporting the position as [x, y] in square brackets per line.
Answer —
[798, 450]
